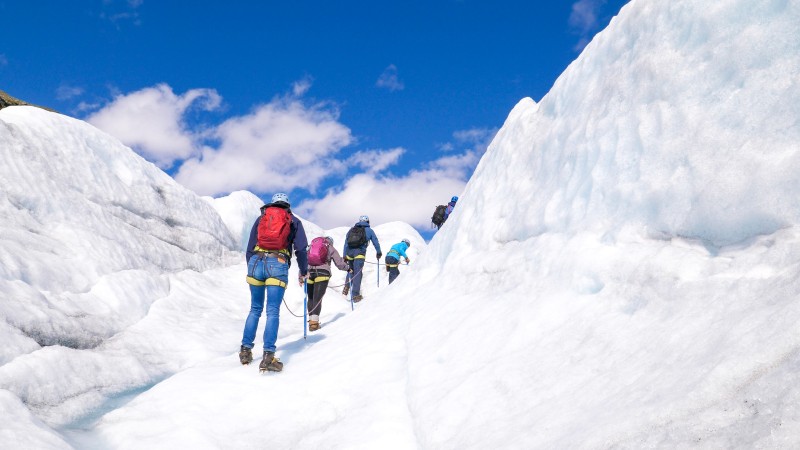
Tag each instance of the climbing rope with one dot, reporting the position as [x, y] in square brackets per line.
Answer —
[320, 300]
[333, 288]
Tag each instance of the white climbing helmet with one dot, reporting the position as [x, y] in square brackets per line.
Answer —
[280, 197]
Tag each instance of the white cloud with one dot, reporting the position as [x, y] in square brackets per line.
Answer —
[66, 92]
[446, 147]
[458, 165]
[374, 161]
[584, 19]
[300, 87]
[285, 145]
[86, 107]
[121, 11]
[281, 145]
[390, 80]
[584, 15]
[479, 137]
[151, 121]
[411, 198]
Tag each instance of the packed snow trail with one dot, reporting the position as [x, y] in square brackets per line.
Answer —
[622, 271]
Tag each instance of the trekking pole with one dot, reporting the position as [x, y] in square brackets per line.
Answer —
[351, 295]
[379, 272]
[305, 308]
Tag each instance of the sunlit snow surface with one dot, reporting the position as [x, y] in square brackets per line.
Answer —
[621, 272]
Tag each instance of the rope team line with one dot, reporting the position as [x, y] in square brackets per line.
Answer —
[367, 262]
[305, 301]
[305, 290]
[383, 264]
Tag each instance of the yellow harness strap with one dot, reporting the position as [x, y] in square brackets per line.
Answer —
[270, 282]
[398, 258]
[350, 258]
[318, 280]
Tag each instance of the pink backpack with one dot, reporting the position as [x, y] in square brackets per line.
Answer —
[318, 253]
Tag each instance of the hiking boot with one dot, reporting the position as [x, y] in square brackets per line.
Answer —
[245, 356]
[357, 298]
[346, 290]
[313, 325]
[270, 363]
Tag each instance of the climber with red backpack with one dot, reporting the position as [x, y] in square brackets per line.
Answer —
[275, 233]
[320, 256]
[355, 253]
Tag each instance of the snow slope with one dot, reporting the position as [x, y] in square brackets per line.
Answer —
[621, 272]
[651, 230]
[90, 234]
[114, 277]
[238, 210]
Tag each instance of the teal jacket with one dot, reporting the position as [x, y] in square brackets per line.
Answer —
[398, 250]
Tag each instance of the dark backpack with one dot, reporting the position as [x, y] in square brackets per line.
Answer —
[356, 237]
[274, 228]
[318, 253]
[439, 215]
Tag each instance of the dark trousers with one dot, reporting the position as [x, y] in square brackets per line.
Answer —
[394, 272]
[317, 285]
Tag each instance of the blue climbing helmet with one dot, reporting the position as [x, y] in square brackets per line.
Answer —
[280, 197]
[454, 199]
[408, 243]
[363, 219]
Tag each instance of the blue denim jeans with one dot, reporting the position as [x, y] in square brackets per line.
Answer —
[275, 270]
[358, 266]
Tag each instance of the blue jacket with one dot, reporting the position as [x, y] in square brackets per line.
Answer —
[353, 252]
[399, 248]
[297, 240]
[450, 207]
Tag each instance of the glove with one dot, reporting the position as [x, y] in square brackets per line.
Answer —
[302, 278]
[379, 255]
[408, 260]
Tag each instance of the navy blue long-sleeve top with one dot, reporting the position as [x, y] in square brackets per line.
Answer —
[297, 240]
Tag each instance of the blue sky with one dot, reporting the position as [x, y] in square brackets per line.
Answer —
[378, 108]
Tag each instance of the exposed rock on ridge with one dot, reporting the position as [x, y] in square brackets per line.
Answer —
[7, 100]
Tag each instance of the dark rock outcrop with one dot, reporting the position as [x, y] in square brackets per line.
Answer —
[7, 100]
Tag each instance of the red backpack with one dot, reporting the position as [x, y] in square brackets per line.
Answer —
[318, 254]
[273, 229]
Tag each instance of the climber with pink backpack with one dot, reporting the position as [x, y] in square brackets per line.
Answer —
[320, 255]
